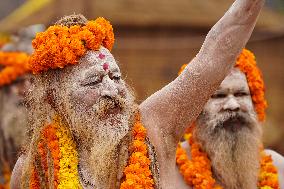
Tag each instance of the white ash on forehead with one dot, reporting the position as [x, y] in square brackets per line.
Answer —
[94, 56]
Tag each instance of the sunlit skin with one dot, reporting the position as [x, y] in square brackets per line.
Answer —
[164, 114]
[97, 77]
[233, 95]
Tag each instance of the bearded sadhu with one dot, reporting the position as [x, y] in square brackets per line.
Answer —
[86, 130]
[225, 142]
[13, 114]
[14, 80]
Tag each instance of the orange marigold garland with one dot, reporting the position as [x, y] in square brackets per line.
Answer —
[247, 64]
[56, 140]
[60, 45]
[43, 157]
[137, 173]
[197, 171]
[268, 173]
[49, 142]
[14, 65]
[34, 181]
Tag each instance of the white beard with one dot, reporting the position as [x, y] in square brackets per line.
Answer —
[103, 140]
[234, 155]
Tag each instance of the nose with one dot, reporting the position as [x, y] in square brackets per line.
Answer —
[109, 87]
[231, 104]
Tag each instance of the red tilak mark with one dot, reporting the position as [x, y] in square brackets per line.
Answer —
[105, 66]
[101, 56]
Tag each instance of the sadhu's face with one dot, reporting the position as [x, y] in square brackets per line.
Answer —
[98, 76]
[97, 100]
[231, 106]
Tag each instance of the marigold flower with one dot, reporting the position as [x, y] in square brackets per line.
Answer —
[56, 139]
[60, 45]
[197, 170]
[15, 64]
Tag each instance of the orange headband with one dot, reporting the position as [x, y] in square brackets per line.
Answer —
[60, 45]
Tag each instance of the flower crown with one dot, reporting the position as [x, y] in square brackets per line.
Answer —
[247, 64]
[14, 65]
[60, 45]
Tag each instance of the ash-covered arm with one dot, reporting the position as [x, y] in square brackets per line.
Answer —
[169, 111]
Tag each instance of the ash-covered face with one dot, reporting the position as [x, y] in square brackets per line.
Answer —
[231, 106]
[97, 101]
[230, 134]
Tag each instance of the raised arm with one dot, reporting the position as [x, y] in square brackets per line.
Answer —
[169, 111]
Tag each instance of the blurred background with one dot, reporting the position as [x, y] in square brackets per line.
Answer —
[154, 38]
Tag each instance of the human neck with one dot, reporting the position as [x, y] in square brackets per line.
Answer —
[103, 167]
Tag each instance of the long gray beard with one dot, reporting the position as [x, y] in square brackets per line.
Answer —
[234, 154]
[103, 139]
[99, 127]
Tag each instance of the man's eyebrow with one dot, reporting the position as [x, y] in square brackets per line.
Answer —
[92, 72]
[243, 89]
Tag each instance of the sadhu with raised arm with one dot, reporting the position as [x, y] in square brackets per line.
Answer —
[85, 129]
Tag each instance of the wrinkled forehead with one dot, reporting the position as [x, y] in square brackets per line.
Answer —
[100, 60]
[236, 79]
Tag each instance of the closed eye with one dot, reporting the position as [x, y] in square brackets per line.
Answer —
[93, 81]
[240, 94]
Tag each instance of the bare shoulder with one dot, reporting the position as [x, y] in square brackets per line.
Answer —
[17, 173]
[278, 161]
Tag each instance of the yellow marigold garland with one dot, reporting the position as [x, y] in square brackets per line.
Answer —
[60, 45]
[247, 64]
[57, 138]
[14, 65]
[68, 172]
[197, 171]
[59, 142]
